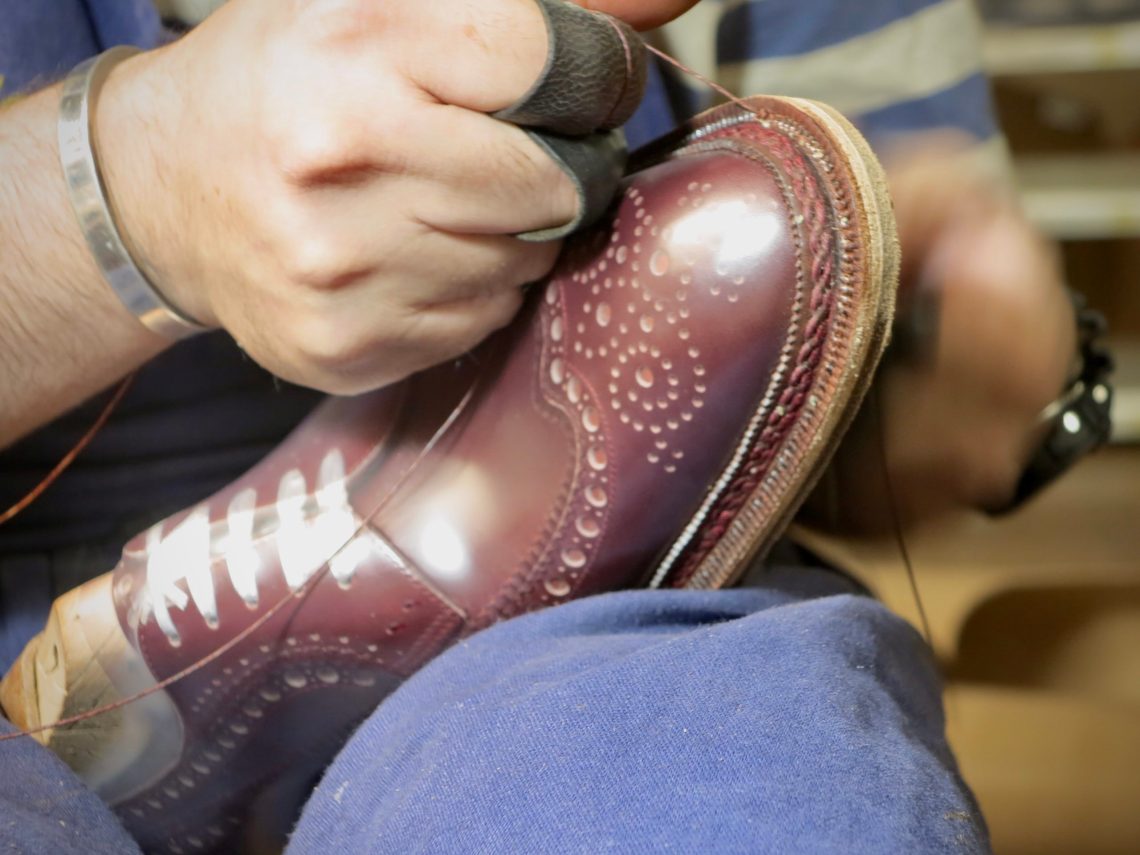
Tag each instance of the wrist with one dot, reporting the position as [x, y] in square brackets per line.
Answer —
[64, 334]
[135, 133]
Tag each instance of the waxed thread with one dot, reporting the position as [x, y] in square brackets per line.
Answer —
[628, 51]
[892, 512]
[69, 458]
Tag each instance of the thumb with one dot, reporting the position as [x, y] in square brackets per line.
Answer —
[640, 14]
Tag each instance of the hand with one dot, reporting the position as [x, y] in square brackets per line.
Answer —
[959, 409]
[322, 180]
[639, 13]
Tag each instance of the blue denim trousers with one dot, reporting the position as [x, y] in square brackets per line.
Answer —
[792, 716]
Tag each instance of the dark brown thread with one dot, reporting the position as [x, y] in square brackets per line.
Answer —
[69, 458]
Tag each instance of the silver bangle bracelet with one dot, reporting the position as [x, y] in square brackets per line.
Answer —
[89, 199]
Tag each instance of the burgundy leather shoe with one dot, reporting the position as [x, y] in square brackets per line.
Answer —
[655, 416]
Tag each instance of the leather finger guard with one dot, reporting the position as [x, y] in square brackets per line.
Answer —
[595, 164]
[594, 76]
[593, 81]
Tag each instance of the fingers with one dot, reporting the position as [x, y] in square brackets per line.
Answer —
[340, 355]
[464, 172]
[431, 302]
[964, 421]
[594, 164]
[934, 184]
[336, 239]
[1006, 315]
[352, 198]
[594, 75]
[452, 170]
[472, 174]
[960, 423]
[549, 64]
[435, 269]
[641, 14]
[543, 63]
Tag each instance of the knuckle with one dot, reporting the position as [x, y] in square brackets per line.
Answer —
[540, 261]
[503, 307]
[341, 385]
[347, 357]
[485, 315]
[536, 176]
[307, 152]
[327, 348]
[314, 260]
[562, 199]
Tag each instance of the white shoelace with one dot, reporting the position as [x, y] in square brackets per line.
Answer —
[307, 528]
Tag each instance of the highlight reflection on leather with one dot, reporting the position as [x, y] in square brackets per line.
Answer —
[662, 404]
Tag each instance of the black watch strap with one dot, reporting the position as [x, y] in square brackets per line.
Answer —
[1079, 421]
